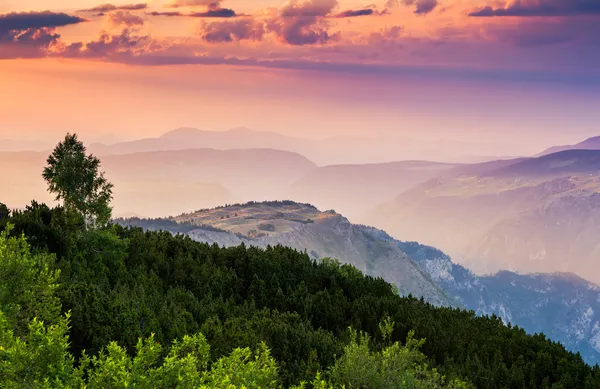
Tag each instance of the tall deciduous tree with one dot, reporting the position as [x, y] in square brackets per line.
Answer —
[74, 177]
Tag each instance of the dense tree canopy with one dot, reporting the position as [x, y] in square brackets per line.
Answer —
[34, 353]
[120, 285]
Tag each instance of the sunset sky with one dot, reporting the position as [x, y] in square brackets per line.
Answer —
[428, 69]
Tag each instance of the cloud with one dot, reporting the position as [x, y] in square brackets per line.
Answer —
[111, 7]
[422, 7]
[35, 20]
[232, 31]
[219, 13]
[304, 22]
[535, 8]
[210, 4]
[173, 13]
[355, 13]
[123, 18]
[213, 9]
[214, 13]
[31, 34]
[308, 8]
[123, 45]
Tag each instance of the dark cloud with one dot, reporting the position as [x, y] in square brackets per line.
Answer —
[155, 13]
[111, 7]
[232, 31]
[210, 4]
[304, 23]
[542, 8]
[367, 11]
[422, 7]
[355, 13]
[31, 34]
[35, 20]
[215, 13]
[123, 18]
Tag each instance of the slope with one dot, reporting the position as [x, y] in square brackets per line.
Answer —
[523, 216]
[563, 306]
[305, 228]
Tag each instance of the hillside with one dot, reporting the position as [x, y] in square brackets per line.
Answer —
[522, 216]
[563, 306]
[305, 228]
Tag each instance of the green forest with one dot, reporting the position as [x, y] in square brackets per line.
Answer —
[86, 303]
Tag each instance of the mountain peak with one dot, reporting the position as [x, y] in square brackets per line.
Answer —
[181, 132]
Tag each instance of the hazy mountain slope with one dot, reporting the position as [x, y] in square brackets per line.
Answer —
[588, 144]
[355, 189]
[251, 174]
[191, 138]
[327, 151]
[561, 305]
[531, 216]
[158, 183]
[303, 227]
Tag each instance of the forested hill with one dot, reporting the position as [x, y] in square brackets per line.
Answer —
[124, 284]
[323, 234]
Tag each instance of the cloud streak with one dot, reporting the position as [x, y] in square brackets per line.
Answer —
[111, 7]
[210, 4]
[541, 8]
[214, 13]
[351, 13]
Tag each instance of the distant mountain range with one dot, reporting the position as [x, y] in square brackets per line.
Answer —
[326, 151]
[588, 144]
[563, 306]
[529, 215]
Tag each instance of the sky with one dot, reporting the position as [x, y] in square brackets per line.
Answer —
[520, 74]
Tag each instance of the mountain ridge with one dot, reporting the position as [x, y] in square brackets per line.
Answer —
[303, 227]
[522, 216]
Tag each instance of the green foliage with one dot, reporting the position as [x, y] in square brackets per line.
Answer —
[75, 179]
[27, 283]
[121, 285]
[39, 358]
[394, 367]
